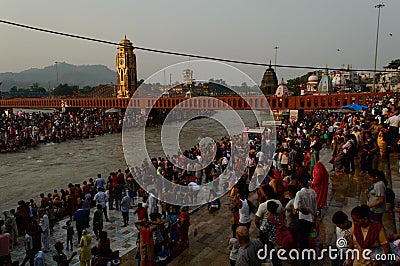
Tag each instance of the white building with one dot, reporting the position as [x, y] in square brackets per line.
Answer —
[187, 76]
[339, 81]
[312, 83]
[390, 80]
[281, 90]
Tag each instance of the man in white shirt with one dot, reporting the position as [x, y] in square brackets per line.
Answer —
[125, 204]
[45, 224]
[262, 213]
[30, 255]
[394, 123]
[224, 163]
[385, 111]
[244, 210]
[151, 204]
[305, 203]
[260, 157]
[101, 198]
[194, 190]
[100, 182]
[199, 158]
[198, 171]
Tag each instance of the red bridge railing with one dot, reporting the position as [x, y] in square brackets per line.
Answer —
[308, 102]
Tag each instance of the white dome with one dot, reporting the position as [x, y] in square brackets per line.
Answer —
[281, 90]
[313, 78]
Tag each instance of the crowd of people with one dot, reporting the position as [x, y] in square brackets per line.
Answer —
[32, 223]
[293, 195]
[28, 129]
[291, 184]
[24, 130]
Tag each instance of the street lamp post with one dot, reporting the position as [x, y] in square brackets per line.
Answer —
[381, 5]
[276, 55]
[57, 72]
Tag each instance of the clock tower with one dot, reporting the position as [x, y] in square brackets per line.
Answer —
[126, 69]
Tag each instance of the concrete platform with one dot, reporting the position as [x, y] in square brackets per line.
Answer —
[122, 238]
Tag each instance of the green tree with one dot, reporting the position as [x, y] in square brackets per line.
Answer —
[65, 90]
[395, 64]
[36, 88]
[295, 84]
[86, 89]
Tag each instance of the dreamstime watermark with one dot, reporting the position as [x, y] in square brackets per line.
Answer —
[200, 89]
[341, 252]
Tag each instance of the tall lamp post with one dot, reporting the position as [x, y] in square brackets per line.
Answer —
[57, 71]
[276, 55]
[381, 5]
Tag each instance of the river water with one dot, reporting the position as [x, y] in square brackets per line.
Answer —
[24, 175]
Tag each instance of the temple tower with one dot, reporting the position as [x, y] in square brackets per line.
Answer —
[269, 83]
[126, 69]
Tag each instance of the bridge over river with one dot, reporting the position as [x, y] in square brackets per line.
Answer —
[307, 102]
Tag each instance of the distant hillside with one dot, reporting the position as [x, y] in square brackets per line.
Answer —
[89, 75]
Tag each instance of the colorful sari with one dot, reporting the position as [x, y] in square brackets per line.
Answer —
[382, 143]
[320, 184]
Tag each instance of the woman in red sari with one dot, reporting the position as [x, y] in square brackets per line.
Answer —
[276, 182]
[320, 184]
[183, 227]
[366, 234]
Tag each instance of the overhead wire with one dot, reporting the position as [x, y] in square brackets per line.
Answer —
[181, 54]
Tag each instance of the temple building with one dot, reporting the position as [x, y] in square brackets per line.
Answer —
[269, 83]
[126, 69]
[325, 84]
[312, 83]
[338, 81]
[282, 90]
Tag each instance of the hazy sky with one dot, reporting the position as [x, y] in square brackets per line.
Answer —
[307, 32]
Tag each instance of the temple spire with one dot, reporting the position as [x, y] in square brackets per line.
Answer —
[269, 82]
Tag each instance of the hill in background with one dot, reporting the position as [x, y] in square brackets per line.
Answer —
[86, 75]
